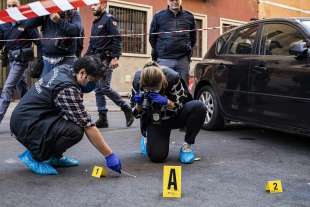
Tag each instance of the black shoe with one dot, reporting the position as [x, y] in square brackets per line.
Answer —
[102, 122]
[128, 115]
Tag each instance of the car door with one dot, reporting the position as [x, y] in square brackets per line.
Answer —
[232, 72]
[279, 81]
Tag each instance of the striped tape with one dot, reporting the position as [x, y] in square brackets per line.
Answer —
[41, 8]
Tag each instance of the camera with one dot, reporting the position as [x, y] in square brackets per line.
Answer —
[151, 110]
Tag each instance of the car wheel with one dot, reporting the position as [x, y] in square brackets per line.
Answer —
[214, 119]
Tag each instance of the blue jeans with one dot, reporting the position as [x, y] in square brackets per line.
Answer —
[15, 79]
[181, 66]
[103, 88]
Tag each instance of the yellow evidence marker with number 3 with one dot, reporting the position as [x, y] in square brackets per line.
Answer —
[99, 172]
[274, 186]
[172, 186]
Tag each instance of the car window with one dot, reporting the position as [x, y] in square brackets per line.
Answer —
[243, 41]
[278, 38]
[221, 43]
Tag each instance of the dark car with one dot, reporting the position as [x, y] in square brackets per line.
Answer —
[258, 74]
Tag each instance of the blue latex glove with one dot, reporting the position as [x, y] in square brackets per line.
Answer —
[138, 99]
[159, 99]
[90, 86]
[114, 163]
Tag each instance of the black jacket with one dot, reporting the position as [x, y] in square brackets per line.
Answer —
[172, 45]
[17, 31]
[68, 26]
[172, 77]
[106, 46]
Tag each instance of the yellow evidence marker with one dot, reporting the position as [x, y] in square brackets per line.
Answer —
[172, 182]
[99, 172]
[274, 186]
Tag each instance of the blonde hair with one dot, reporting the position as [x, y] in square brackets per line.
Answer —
[152, 77]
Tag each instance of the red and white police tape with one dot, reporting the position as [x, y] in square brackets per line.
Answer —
[41, 8]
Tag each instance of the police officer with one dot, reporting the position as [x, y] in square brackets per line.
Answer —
[173, 50]
[58, 51]
[109, 50]
[51, 118]
[19, 54]
[162, 101]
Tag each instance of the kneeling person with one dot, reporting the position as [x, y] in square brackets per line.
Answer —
[51, 118]
[162, 101]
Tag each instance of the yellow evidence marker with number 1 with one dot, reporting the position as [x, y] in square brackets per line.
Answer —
[172, 186]
[274, 186]
[99, 172]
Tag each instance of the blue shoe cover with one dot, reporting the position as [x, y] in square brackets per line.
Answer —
[143, 145]
[39, 168]
[63, 162]
[186, 156]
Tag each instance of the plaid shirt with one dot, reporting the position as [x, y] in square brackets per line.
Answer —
[70, 102]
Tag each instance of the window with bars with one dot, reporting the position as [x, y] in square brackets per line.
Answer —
[131, 21]
[197, 50]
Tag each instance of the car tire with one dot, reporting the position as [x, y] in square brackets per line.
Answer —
[214, 118]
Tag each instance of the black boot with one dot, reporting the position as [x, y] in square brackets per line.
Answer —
[102, 122]
[128, 115]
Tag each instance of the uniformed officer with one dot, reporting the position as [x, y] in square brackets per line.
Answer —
[109, 50]
[173, 50]
[19, 54]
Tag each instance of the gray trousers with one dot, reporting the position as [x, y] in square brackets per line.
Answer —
[181, 66]
[16, 78]
[103, 88]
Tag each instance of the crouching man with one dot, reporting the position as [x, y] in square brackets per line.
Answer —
[51, 118]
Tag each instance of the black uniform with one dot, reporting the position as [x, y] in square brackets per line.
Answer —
[189, 114]
[19, 53]
[172, 45]
[106, 48]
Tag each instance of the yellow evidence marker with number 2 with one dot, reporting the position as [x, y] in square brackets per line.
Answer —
[99, 172]
[274, 186]
[172, 182]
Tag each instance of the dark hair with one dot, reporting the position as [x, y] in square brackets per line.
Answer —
[92, 65]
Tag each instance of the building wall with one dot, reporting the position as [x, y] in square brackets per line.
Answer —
[284, 8]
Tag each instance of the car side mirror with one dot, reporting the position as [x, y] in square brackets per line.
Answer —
[300, 50]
